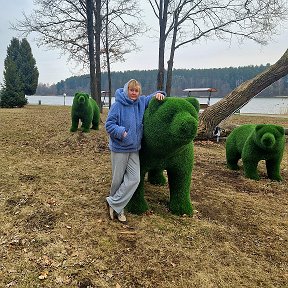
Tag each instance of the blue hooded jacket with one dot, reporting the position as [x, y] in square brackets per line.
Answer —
[126, 115]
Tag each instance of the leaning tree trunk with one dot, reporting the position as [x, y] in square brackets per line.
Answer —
[213, 115]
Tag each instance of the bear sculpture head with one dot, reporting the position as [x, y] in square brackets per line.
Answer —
[81, 98]
[267, 135]
[170, 124]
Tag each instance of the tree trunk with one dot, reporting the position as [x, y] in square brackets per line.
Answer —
[169, 77]
[108, 55]
[213, 115]
[90, 33]
[171, 59]
[161, 69]
[163, 6]
[97, 31]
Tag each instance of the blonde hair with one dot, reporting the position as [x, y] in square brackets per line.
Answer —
[134, 84]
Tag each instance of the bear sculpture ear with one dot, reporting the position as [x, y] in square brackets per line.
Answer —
[76, 94]
[280, 129]
[259, 126]
[155, 104]
[194, 102]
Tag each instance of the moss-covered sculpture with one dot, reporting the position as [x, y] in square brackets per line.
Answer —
[253, 143]
[86, 110]
[169, 129]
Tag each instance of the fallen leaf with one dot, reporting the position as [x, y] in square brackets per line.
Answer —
[110, 275]
[43, 275]
[128, 232]
[11, 284]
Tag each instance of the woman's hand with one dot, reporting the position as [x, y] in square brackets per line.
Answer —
[159, 96]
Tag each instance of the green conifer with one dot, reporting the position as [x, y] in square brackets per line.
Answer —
[12, 94]
[20, 74]
[28, 70]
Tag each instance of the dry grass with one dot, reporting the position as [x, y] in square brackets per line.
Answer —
[54, 230]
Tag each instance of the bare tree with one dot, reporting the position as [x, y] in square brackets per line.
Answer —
[121, 27]
[213, 115]
[161, 12]
[184, 22]
[61, 25]
[90, 33]
[58, 25]
[97, 35]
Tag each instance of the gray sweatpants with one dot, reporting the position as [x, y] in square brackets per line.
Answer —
[125, 179]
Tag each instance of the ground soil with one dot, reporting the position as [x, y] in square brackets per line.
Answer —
[54, 229]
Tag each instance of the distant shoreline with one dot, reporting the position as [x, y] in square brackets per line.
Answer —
[171, 96]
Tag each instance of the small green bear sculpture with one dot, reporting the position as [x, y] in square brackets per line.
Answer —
[169, 129]
[86, 110]
[253, 143]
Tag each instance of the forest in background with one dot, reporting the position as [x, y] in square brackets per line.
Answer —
[223, 79]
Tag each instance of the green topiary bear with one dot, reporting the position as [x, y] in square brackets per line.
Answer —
[253, 143]
[169, 129]
[85, 109]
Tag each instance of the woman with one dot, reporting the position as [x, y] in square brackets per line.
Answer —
[124, 125]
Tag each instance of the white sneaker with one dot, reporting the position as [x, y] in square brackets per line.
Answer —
[121, 217]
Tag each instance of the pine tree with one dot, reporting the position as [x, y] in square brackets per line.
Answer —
[12, 94]
[13, 51]
[20, 74]
[28, 70]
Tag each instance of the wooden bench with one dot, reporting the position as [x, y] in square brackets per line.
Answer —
[203, 106]
[191, 92]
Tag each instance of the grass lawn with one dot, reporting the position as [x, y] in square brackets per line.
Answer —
[54, 229]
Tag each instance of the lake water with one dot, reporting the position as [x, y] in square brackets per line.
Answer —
[277, 105]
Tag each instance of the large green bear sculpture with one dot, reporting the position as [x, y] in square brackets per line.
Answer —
[169, 129]
[253, 143]
[86, 110]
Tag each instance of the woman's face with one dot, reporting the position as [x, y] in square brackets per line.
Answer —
[133, 93]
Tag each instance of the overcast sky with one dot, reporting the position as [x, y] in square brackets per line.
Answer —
[212, 54]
